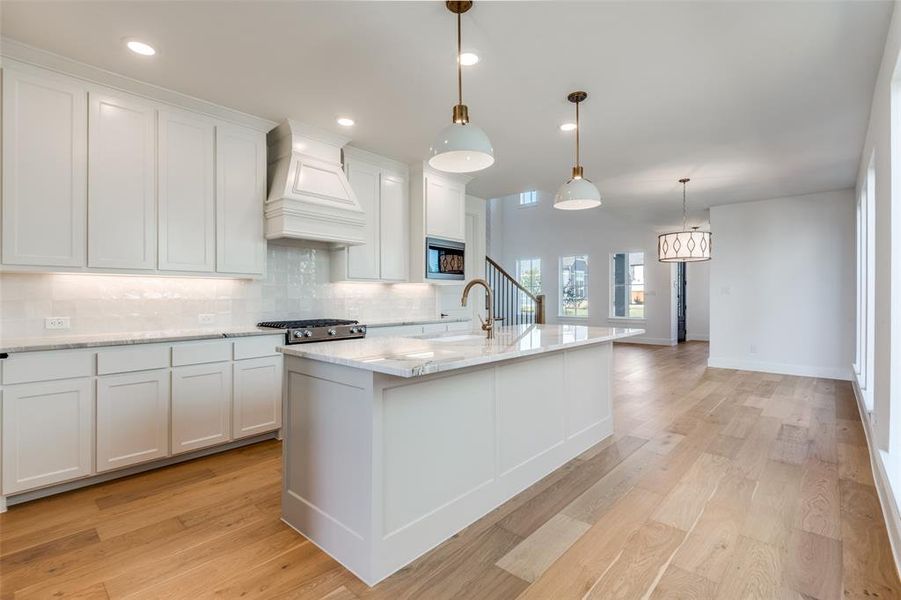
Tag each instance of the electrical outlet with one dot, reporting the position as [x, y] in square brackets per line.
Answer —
[753, 349]
[206, 318]
[56, 323]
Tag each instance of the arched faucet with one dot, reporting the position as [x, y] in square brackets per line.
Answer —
[487, 326]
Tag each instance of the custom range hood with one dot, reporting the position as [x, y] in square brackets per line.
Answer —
[309, 195]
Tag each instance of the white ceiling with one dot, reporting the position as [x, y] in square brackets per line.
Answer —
[749, 99]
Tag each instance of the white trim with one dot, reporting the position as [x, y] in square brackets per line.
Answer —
[742, 364]
[24, 53]
[697, 338]
[883, 483]
[641, 339]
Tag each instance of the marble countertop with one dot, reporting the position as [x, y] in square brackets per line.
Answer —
[416, 322]
[425, 354]
[68, 342]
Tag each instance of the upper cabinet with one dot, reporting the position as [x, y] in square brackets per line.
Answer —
[437, 210]
[121, 183]
[99, 180]
[381, 187]
[240, 194]
[45, 144]
[187, 193]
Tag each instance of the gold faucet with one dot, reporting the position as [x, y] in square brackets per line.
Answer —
[487, 326]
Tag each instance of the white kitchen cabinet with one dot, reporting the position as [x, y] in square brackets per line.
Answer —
[121, 182]
[47, 433]
[258, 396]
[363, 260]
[394, 227]
[132, 418]
[201, 406]
[187, 186]
[45, 149]
[240, 194]
[445, 208]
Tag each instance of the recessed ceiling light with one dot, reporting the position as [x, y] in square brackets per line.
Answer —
[141, 48]
[345, 122]
[567, 127]
[467, 59]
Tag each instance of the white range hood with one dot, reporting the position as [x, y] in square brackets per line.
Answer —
[309, 195]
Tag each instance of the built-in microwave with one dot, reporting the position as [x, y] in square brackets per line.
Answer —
[444, 259]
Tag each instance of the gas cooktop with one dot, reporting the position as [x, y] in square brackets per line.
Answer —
[317, 330]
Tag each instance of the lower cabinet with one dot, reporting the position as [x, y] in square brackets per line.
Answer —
[201, 406]
[258, 396]
[132, 418]
[47, 433]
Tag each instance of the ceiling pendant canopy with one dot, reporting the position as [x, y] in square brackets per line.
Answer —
[461, 147]
[685, 245]
[578, 193]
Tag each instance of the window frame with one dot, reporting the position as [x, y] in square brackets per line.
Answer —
[587, 296]
[611, 287]
[528, 193]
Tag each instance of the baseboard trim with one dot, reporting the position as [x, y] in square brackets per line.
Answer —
[640, 339]
[883, 485]
[781, 368]
[697, 338]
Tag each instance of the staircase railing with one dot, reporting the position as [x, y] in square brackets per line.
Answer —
[513, 304]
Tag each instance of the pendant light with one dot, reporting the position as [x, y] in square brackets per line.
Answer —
[461, 147]
[685, 245]
[578, 193]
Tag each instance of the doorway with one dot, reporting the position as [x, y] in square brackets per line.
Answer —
[680, 302]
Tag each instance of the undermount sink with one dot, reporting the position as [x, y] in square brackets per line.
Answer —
[459, 338]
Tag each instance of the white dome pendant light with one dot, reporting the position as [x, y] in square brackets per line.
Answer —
[685, 245]
[461, 147]
[578, 193]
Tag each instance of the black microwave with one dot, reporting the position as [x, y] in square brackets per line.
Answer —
[444, 259]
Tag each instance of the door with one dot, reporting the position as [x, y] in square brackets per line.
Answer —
[680, 302]
[363, 260]
[132, 418]
[187, 202]
[258, 396]
[240, 194]
[121, 183]
[394, 228]
[47, 433]
[201, 406]
[445, 209]
[45, 145]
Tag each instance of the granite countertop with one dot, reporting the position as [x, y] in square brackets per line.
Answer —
[416, 322]
[425, 354]
[68, 342]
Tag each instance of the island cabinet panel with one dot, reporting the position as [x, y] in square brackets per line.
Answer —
[45, 146]
[588, 388]
[452, 429]
[48, 433]
[258, 396]
[121, 183]
[201, 406]
[530, 413]
[132, 418]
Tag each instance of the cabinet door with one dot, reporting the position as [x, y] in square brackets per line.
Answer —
[363, 261]
[47, 433]
[201, 406]
[45, 147]
[121, 183]
[445, 208]
[394, 228]
[187, 204]
[240, 193]
[132, 418]
[258, 396]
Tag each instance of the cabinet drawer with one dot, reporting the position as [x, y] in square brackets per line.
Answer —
[395, 330]
[434, 328]
[259, 346]
[206, 352]
[460, 326]
[44, 366]
[141, 358]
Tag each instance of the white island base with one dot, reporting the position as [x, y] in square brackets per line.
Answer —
[381, 468]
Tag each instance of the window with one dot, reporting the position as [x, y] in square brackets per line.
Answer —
[627, 285]
[529, 198]
[528, 274]
[574, 286]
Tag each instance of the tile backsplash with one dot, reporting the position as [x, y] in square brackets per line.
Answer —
[297, 285]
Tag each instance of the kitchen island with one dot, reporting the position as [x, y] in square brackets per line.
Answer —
[394, 444]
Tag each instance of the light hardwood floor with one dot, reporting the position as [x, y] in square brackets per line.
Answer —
[717, 484]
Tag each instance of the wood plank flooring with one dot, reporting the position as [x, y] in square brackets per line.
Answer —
[717, 484]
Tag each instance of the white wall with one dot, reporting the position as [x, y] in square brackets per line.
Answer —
[697, 301]
[546, 233]
[782, 285]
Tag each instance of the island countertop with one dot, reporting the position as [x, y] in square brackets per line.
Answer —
[426, 354]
